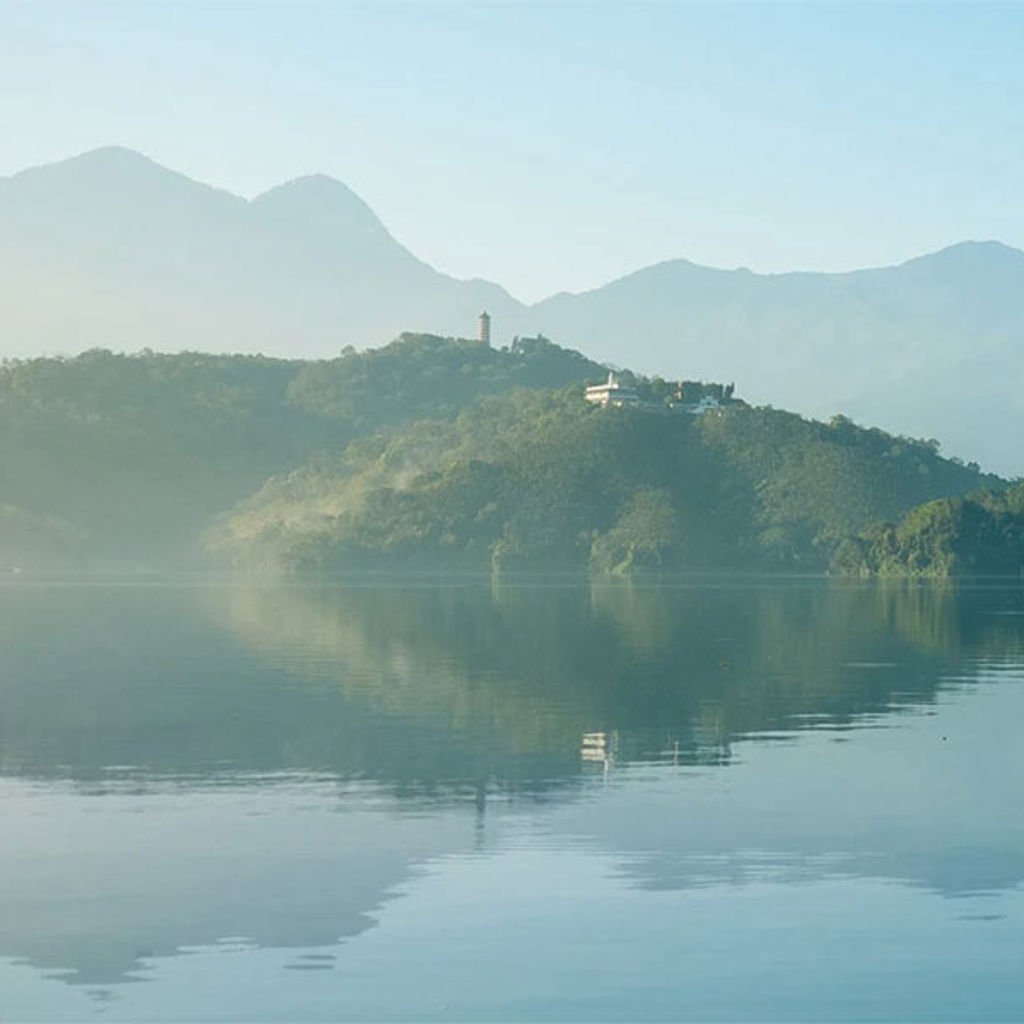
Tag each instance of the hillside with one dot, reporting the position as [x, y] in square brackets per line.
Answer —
[136, 452]
[109, 249]
[981, 535]
[545, 480]
[115, 457]
[446, 453]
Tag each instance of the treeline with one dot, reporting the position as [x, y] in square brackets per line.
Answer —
[130, 456]
[981, 535]
[423, 376]
[137, 452]
[545, 480]
[434, 686]
[445, 452]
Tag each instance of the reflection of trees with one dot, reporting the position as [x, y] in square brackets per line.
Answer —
[473, 685]
[453, 691]
[512, 672]
[442, 665]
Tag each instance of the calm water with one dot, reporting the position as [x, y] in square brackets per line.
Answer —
[781, 800]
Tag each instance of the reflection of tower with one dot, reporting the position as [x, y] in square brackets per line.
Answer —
[480, 799]
[484, 333]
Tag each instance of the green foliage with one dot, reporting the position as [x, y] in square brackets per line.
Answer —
[442, 452]
[980, 535]
[545, 480]
[422, 375]
[817, 483]
[646, 536]
[140, 452]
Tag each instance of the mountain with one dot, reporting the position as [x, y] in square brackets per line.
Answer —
[109, 249]
[933, 347]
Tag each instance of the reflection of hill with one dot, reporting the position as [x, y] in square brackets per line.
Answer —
[364, 701]
[928, 800]
[148, 875]
[518, 674]
[138, 677]
[182, 828]
[417, 686]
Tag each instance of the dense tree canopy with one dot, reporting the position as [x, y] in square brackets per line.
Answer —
[422, 375]
[134, 454]
[981, 535]
[544, 479]
[446, 452]
[138, 451]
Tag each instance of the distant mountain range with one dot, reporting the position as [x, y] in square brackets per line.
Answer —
[109, 249]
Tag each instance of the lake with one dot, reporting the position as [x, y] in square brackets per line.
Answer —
[536, 800]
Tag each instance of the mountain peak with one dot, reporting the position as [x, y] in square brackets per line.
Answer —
[311, 188]
[318, 200]
[310, 185]
[110, 175]
[113, 155]
[969, 254]
[104, 160]
[989, 245]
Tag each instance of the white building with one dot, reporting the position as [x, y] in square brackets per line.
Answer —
[612, 393]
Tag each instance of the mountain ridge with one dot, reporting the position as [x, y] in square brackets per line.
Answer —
[119, 158]
[111, 249]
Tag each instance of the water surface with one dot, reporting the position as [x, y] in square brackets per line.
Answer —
[705, 800]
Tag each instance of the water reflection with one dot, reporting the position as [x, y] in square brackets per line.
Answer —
[276, 764]
[427, 686]
[523, 680]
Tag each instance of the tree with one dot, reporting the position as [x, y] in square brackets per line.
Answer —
[646, 536]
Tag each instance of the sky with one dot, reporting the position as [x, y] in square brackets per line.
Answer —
[551, 146]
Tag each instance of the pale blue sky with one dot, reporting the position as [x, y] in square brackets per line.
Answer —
[555, 146]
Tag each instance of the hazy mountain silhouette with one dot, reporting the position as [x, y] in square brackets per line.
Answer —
[110, 249]
[933, 347]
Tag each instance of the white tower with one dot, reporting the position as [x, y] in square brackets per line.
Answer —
[484, 332]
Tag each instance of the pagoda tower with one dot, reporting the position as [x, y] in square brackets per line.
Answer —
[484, 332]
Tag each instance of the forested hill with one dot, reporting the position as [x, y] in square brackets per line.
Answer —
[421, 376]
[546, 480]
[128, 457]
[428, 451]
[981, 535]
